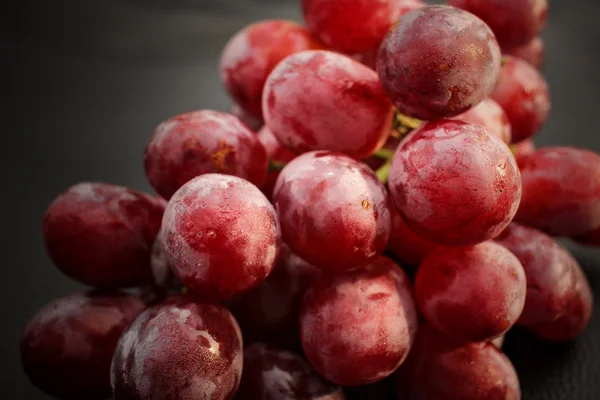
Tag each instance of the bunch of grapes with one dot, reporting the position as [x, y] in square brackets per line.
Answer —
[348, 223]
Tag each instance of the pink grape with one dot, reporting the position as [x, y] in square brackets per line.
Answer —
[333, 211]
[491, 116]
[532, 52]
[438, 62]
[471, 293]
[454, 184]
[357, 328]
[299, 110]
[221, 236]
[202, 142]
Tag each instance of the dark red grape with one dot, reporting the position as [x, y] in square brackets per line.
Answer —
[179, 349]
[523, 93]
[549, 270]
[163, 277]
[68, 345]
[221, 236]
[271, 373]
[333, 210]
[250, 56]
[471, 293]
[577, 317]
[202, 142]
[354, 26]
[514, 22]
[357, 328]
[271, 311]
[561, 191]
[278, 155]
[532, 52]
[437, 62]
[307, 99]
[253, 122]
[101, 234]
[492, 117]
[443, 370]
[454, 184]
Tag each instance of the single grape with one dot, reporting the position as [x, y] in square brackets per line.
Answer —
[549, 270]
[532, 52]
[522, 150]
[179, 349]
[523, 93]
[101, 234]
[271, 373]
[333, 210]
[438, 62]
[221, 236]
[357, 328]
[202, 142]
[561, 191]
[308, 98]
[491, 116]
[251, 121]
[440, 369]
[354, 26]
[471, 293]
[164, 279]
[252, 53]
[514, 22]
[454, 184]
[68, 345]
[576, 319]
[278, 155]
[271, 311]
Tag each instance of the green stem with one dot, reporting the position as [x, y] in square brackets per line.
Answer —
[383, 171]
[384, 154]
[275, 166]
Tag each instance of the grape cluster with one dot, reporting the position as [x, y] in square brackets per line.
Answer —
[348, 223]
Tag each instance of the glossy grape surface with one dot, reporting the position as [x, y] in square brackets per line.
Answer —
[492, 117]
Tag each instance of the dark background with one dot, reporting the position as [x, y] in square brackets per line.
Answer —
[87, 81]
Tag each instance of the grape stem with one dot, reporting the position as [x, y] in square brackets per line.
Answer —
[383, 171]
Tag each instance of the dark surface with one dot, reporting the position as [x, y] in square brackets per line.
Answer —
[90, 79]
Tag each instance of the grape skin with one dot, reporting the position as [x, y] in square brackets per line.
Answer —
[202, 142]
[252, 53]
[221, 236]
[514, 22]
[524, 95]
[67, 347]
[333, 211]
[549, 270]
[271, 373]
[101, 234]
[298, 106]
[425, 67]
[561, 191]
[532, 52]
[357, 328]
[454, 184]
[492, 117]
[180, 349]
[471, 293]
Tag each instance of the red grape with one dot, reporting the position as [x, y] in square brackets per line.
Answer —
[357, 328]
[163, 277]
[221, 236]
[522, 150]
[523, 93]
[278, 155]
[202, 142]
[442, 370]
[454, 184]
[491, 116]
[68, 345]
[271, 310]
[354, 26]
[561, 191]
[333, 210]
[471, 293]
[101, 234]
[438, 62]
[577, 317]
[179, 349]
[549, 270]
[250, 56]
[514, 22]
[271, 373]
[251, 121]
[532, 52]
[307, 99]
